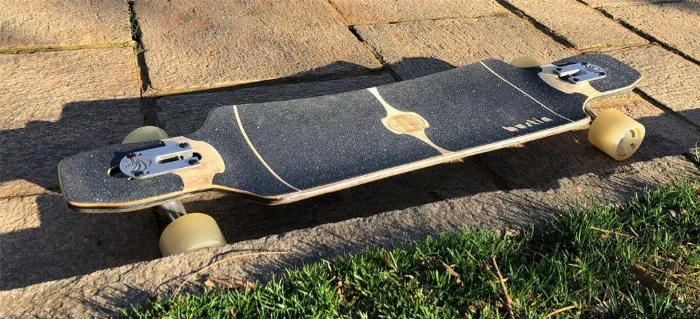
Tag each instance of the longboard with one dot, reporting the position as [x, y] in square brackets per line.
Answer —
[281, 152]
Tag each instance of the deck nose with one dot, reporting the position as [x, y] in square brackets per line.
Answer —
[89, 180]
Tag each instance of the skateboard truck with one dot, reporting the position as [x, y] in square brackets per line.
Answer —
[580, 72]
[159, 160]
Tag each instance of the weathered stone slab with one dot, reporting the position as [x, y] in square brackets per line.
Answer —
[54, 24]
[184, 114]
[41, 239]
[420, 48]
[570, 154]
[213, 43]
[56, 104]
[674, 24]
[385, 11]
[598, 3]
[668, 78]
[102, 293]
[585, 28]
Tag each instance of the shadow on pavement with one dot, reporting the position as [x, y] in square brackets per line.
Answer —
[67, 243]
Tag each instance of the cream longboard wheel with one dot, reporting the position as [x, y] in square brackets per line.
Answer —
[525, 62]
[145, 134]
[186, 232]
[616, 134]
[189, 233]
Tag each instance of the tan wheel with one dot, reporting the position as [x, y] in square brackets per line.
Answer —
[525, 62]
[145, 134]
[616, 134]
[189, 233]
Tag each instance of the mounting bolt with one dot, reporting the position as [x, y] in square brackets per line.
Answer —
[131, 155]
[184, 145]
[138, 173]
[193, 161]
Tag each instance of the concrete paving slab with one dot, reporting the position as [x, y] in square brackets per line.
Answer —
[585, 28]
[103, 292]
[571, 154]
[192, 45]
[674, 24]
[668, 78]
[598, 3]
[182, 114]
[63, 24]
[419, 48]
[385, 11]
[55, 104]
[41, 239]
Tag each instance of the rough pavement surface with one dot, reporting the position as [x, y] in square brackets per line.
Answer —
[674, 24]
[598, 3]
[578, 24]
[667, 78]
[58, 263]
[231, 42]
[385, 11]
[53, 105]
[35, 24]
[105, 292]
[418, 48]
[56, 104]
[41, 239]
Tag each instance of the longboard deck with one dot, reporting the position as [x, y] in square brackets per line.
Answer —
[289, 150]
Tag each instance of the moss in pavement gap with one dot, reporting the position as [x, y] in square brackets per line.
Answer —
[135, 28]
[637, 259]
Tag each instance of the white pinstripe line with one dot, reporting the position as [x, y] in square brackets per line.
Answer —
[523, 92]
[250, 144]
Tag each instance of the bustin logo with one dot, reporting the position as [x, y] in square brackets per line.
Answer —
[529, 123]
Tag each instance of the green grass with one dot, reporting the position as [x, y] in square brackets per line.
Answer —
[637, 259]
